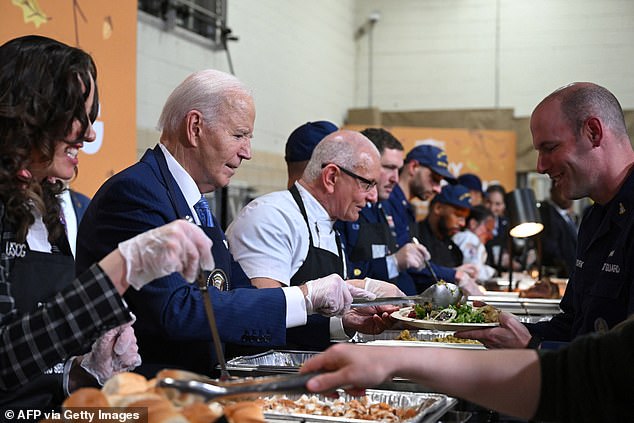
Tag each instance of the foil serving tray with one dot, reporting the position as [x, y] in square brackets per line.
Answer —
[521, 306]
[284, 361]
[423, 338]
[431, 406]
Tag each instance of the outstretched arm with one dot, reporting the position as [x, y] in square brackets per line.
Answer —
[504, 380]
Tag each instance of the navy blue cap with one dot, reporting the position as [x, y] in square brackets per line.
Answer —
[303, 140]
[454, 195]
[470, 181]
[432, 157]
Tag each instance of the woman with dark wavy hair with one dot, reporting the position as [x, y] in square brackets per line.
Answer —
[49, 318]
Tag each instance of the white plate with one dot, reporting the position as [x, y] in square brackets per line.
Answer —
[504, 294]
[397, 343]
[432, 324]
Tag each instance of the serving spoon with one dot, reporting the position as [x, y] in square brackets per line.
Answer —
[441, 294]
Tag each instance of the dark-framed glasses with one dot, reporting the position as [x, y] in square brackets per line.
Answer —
[366, 183]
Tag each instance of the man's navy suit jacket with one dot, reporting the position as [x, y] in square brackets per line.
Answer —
[171, 327]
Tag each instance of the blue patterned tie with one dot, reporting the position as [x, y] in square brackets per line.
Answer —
[204, 214]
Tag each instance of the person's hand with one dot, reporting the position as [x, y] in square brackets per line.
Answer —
[358, 292]
[382, 289]
[329, 296]
[510, 334]
[348, 365]
[470, 269]
[371, 320]
[178, 246]
[411, 256]
[116, 351]
[469, 286]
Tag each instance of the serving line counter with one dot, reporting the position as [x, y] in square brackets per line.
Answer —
[446, 409]
[529, 310]
[438, 407]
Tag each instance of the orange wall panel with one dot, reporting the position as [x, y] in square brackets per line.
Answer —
[106, 30]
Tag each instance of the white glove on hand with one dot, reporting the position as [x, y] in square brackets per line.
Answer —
[116, 351]
[470, 269]
[360, 292]
[329, 296]
[469, 286]
[178, 246]
[412, 256]
[382, 289]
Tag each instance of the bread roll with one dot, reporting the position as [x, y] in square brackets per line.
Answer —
[159, 409]
[177, 397]
[201, 413]
[127, 399]
[178, 374]
[125, 383]
[244, 412]
[86, 397]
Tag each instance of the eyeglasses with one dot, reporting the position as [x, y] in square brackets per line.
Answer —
[366, 184]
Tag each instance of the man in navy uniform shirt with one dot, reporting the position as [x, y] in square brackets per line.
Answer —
[420, 177]
[581, 138]
[447, 216]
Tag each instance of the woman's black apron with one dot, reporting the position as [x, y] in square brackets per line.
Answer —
[35, 278]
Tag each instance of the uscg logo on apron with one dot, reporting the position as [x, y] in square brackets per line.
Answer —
[15, 249]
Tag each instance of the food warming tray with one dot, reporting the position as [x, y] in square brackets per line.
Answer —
[275, 361]
[423, 338]
[432, 406]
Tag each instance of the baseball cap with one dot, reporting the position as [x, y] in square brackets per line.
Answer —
[454, 195]
[303, 140]
[471, 181]
[432, 157]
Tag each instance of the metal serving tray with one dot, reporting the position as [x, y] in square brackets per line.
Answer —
[521, 306]
[432, 406]
[277, 361]
[423, 339]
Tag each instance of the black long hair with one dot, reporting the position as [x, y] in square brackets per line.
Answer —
[40, 97]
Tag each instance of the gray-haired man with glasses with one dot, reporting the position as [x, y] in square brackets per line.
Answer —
[287, 237]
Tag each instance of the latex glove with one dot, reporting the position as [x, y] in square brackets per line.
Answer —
[469, 286]
[411, 256]
[329, 296]
[469, 268]
[382, 289]
[357, 292]
[116, 351]
[179, 246]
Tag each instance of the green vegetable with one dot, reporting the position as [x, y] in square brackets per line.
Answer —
[464, 313]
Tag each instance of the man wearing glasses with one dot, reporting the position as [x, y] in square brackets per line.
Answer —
[370, 241]
[287, 237]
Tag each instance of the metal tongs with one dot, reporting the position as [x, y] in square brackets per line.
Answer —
[211, 390]
[440, 294]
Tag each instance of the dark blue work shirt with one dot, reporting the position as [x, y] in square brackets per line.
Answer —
[599, 293]
[403, 215]
[367, 242]
[401, 212]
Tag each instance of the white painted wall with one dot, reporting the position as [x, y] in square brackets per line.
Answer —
[298, 57]
[451, 54]
[303, 62]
